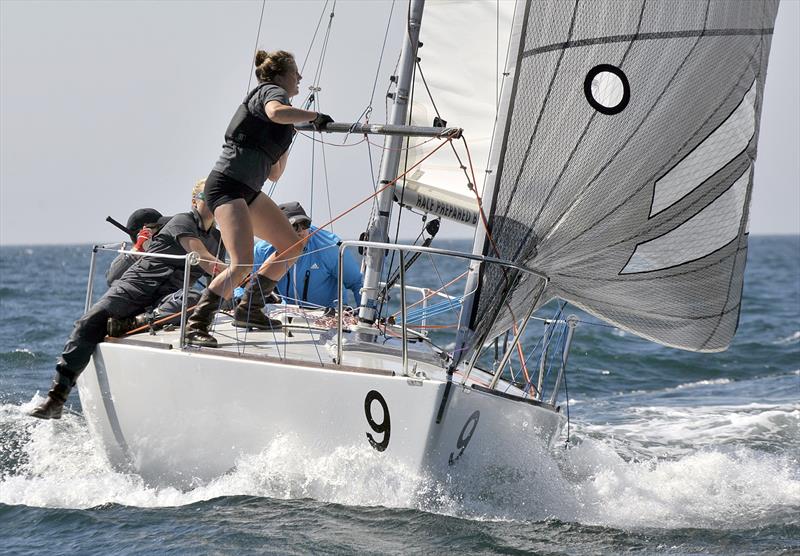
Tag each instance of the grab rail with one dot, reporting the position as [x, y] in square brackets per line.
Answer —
[402, 249]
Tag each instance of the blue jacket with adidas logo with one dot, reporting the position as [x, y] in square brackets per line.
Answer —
[312, 280]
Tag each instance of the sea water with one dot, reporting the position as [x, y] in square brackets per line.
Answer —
[668, 452]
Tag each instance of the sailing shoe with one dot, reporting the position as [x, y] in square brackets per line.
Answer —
[53, 406]
[249, 312]
[255, 318]
[116, 328]
[198, 324]
[119, 327]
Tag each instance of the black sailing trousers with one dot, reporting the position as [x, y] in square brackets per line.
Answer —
[90, 330]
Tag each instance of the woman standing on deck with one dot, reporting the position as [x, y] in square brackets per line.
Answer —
[256, 149]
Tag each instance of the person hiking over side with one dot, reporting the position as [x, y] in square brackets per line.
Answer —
[256, 149]
[143, 224]
[142, 285]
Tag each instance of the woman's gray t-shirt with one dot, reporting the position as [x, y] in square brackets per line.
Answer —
[251, 166]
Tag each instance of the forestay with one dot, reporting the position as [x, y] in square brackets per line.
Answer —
[624, 165]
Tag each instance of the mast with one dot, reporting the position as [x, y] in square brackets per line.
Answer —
[379, 226]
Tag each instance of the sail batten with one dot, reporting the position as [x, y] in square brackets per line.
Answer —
[626, 172]
[648, 37]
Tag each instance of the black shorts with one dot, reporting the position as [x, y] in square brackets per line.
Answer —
[221, 189]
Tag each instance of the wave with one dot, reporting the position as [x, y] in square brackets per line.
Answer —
[710, 488]
[21, 357]
[793, 339]
[663, 430]
[592, 483]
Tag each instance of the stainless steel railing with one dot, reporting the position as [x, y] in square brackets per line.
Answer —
[191, 259]
[403, 249]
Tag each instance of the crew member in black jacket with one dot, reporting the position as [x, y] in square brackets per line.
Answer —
[141, 286]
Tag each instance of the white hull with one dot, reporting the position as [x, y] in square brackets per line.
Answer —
[179, 417]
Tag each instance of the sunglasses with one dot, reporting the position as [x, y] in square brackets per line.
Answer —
[200, 196]
[300, 226]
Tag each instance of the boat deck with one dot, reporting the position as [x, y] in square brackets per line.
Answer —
[308, 338]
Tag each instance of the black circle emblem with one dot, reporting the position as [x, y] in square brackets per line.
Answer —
[607, 89]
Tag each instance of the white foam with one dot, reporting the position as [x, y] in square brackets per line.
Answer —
[707, 489]
[590, 483]
[703, 383]
[65, 468]
[672, 430]
[793, 339]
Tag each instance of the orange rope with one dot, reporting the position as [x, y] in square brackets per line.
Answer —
[369, 197]
[451, 282]
[497, 252]
[173, 315]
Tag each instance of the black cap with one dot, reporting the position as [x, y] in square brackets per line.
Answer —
[295, 213]
[140, 218]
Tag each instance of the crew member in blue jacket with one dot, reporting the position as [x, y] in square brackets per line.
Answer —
[312, 281]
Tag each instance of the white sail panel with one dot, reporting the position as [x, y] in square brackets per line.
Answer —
[576, 178]
[727, 141]
[710, 229]
[462, 61]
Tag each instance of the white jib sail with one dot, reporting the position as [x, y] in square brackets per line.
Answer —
[463, 61]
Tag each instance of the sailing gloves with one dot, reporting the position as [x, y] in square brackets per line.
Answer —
[143, 239]
[321, 121]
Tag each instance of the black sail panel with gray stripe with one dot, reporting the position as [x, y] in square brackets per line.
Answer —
[626, 171]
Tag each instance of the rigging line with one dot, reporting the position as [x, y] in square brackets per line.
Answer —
[402, 149]
[545, 346]
[314, 97]
[380, 58]
[324, 49]
[327, 183]
[485, 222]
[323, 52]
[314, 341]
[374, 206]
[520, 353]
[439, 276]
[371, 166]
[313, 165]
[314, 37]
[255, 47]
[365, 200]
[312, 138]
[438, 115]
[560, 343]
[434, 292]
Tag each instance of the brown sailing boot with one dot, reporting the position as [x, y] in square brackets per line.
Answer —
[249, 312]
[198, 324]
[117, 328]
[56, 398]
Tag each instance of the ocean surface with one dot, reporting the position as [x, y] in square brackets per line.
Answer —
[668, 452]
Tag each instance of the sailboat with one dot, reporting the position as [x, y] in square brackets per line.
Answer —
[606, 161]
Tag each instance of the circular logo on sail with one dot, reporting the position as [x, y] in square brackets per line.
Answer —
[606, 88]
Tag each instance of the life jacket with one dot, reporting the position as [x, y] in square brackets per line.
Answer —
[250, 131]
